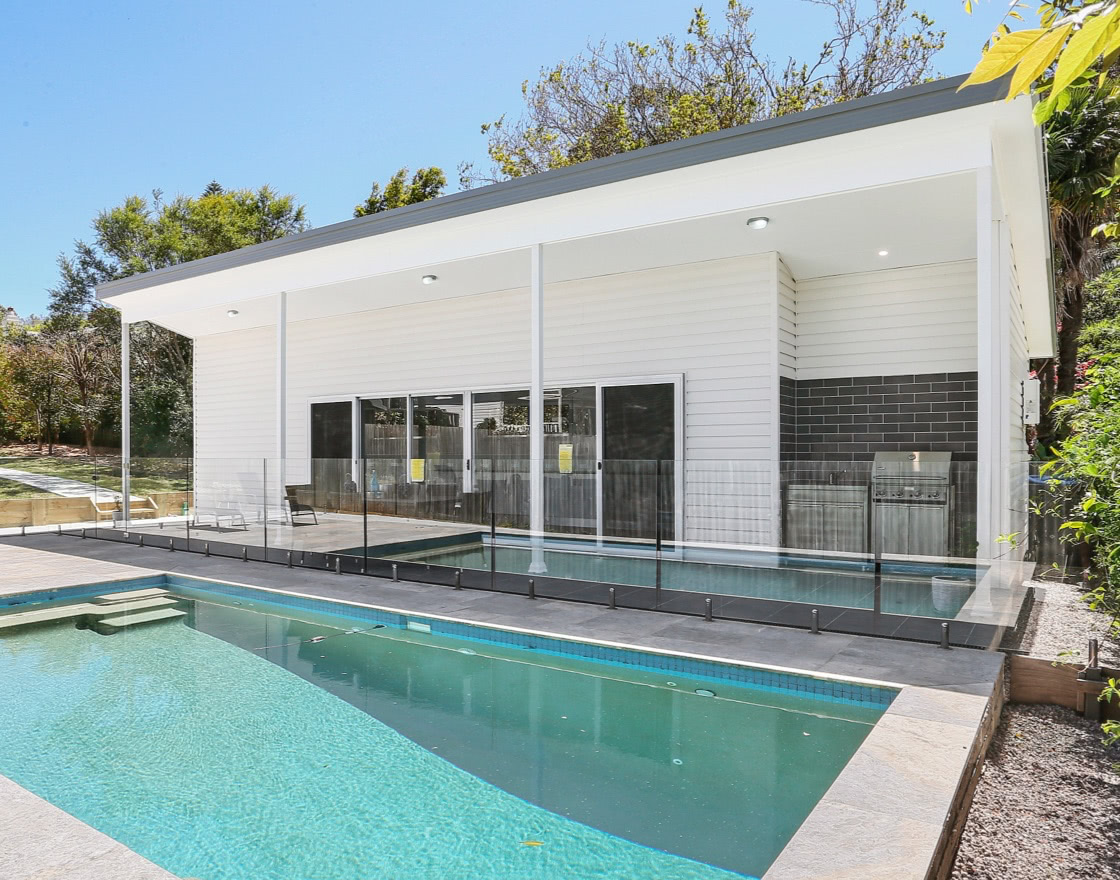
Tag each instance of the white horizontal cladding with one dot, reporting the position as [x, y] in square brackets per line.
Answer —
[927, 147]
[708, 322]
[920, 319]
[711, 323]
[787, 322]
[235, 421]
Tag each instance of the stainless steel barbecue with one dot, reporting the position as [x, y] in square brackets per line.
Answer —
[910, 494]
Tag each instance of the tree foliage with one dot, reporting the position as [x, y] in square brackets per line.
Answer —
[1088, 466]
[612, 99]
[1081, 36]
[1083, 149]
[140, 235]
[426, 183]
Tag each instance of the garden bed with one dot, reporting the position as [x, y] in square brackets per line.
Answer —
[1047, 804]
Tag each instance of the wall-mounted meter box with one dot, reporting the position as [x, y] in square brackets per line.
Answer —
[1032, 401]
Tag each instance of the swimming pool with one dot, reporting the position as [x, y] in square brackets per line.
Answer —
[271, 737]
[904, 589]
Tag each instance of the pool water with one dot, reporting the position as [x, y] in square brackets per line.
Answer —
[836, 584]
[255, 742]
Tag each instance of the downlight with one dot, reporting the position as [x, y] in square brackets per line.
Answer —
[758, 222]
[429, 279]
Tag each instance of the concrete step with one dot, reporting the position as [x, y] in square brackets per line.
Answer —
[109, 625]
[129, 595]
[134, 605]
[151, 601]
[16, 619]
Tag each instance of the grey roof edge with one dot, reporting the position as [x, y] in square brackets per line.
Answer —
[913, 102]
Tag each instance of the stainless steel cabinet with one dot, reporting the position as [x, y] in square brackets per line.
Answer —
[826, 517]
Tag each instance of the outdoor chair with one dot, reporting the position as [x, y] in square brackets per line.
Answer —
[297, 507]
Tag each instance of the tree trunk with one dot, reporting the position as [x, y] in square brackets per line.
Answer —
[1072, 321]
[88, 431]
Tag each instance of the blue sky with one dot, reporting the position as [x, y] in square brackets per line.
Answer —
[102, 100]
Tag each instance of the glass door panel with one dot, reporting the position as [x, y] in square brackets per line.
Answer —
[435, 468]
[570, 483]
[500, 456]
[385, 447]
[639, 440]
[331, 441]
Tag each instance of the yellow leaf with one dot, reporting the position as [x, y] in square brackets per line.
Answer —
[1084, 47]
[1003, 55]
[531, 843]
[1037, 59]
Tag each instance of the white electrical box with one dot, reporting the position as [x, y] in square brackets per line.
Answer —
[1032, 401]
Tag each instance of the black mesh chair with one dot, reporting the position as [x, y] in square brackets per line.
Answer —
[297, 507]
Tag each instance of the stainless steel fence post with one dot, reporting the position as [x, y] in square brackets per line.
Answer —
[365, 512]
[815, 626]
[708, 609]
[459, 579]
[611, 600]
[532, 588]
[945, 635]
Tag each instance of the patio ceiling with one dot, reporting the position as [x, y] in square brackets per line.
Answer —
[923, 221]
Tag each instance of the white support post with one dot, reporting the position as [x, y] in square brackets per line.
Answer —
[988, 366]
[536, 409]
[126, 426]
[281, 402]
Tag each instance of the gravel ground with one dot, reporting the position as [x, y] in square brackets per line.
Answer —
[1062, 621]
[1048, 803]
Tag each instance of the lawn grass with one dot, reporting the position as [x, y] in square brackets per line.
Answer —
[163, 475]
[10, 489]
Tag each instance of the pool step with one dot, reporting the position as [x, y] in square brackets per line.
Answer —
[129, 595]
[137, 605]
[46, 615]
[91, 614]
[109, 625]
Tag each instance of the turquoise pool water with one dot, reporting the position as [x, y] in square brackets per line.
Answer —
[254, 742]
[823, 584]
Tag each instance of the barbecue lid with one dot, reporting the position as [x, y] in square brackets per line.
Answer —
[890, 464]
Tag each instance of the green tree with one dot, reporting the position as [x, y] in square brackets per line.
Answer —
[1083, 149]
[140, 235]
[89, 369]
[612, 99]
[34, 375]
[426, 183]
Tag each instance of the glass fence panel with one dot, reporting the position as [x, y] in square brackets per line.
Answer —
[870, 551]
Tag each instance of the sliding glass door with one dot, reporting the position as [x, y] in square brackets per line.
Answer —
[638, 451]
[609, 452]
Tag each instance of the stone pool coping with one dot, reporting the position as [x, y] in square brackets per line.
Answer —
[890, 812]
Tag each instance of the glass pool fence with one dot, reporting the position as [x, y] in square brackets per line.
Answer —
[826, 545]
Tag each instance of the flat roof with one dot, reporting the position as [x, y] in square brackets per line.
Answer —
[927, 99]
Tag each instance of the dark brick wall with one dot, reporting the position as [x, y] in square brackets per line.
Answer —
[787, 411]
[852, 419]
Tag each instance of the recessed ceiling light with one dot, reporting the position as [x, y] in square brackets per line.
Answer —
[758, 222]
[232, 313]
[429, 279]
[883, 253]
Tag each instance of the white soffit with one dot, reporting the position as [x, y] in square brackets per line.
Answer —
[919, 222]
[932, 146]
